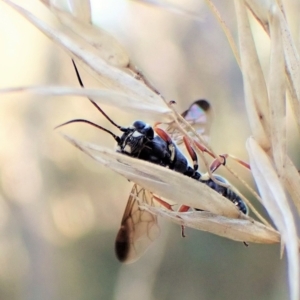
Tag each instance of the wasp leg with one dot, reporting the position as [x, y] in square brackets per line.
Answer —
[191, 152]
[163, 134]
[217, 163]
[137, 74]
[204, 149]
[183, 208]
[163, 203]
[241, 162]
[221, 160]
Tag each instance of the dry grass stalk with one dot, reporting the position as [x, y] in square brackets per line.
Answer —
[137, 95]
[271, 166]
[273, 170]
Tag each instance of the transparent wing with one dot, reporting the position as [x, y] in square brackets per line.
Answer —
[199, 115]
[139, 228]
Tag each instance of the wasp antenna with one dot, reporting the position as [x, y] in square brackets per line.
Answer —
[90, 123]
[77, 73]
[107, 117]
[94, 103]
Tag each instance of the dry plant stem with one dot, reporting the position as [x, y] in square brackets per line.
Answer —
[292, 182]
[242, 229]
[111, 77]
[102, 96]
[291, 87]
[172, 8]
[278, 207]
[270, 181]
[255, 90]
[292, 66]
[292, 95]
[290, 176]
[264, 24]
[292, 69]
[226, 31]
[140, 76]
[277, 89]
[280, 5]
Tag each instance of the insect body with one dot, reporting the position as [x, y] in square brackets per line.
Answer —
[139, 228]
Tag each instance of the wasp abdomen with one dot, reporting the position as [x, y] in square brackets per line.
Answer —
[236, 200]
[226, 192]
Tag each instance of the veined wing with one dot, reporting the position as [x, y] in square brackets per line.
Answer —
[199, 115]
[139, 228]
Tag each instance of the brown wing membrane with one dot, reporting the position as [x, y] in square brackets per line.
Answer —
[139, 228]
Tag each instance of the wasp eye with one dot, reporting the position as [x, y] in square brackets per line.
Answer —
[144, 129]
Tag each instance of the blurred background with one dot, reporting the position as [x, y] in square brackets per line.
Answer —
[60, 211]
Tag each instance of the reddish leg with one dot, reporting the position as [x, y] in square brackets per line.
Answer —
[163, 134]
[191, 152]
[222, 161]
[183, 208]
[244, 164]
[163, 203]
[204, 149]
[218, 162]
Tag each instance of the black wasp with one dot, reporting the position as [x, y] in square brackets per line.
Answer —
[140, 140]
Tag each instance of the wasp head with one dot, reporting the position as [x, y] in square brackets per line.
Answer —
[134, 137]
